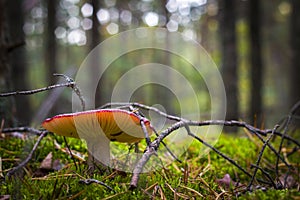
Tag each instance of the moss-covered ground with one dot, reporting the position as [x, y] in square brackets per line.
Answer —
[195, 178]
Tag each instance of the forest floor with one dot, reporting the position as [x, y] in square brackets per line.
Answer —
[52, 174]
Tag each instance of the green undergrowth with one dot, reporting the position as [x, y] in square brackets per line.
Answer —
[194, 178]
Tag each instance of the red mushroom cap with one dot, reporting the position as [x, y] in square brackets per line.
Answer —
[118, 125]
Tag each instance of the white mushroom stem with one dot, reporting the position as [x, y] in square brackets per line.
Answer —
[99, 152]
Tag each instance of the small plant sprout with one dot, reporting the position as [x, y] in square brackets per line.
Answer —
[100, 127]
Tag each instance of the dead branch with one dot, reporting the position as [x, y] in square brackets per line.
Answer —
[70, 83]
[286, 127]
[273, 149]
[241, 124]
[295, 108]
[266, 174]
[90, 181]
[22, 129]
[216, 150]
[29, 92]
[153, 147]
[139, 105]
[260, 156]
[75, 88]
[29, 157]
[151, 150]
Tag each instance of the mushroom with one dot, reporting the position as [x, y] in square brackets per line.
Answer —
[99, 128]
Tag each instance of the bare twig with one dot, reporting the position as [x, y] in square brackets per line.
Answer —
[90, 181]
[148, 141]
[75, 88]
[29, 157]
[217, 151]
[252, 129]
[22, 129]
[260, 156]
[295, 108]
[142, 123]
[287, 137]
[152, 148]
[139, 105]
[181, 122]
[242, 124]
[168, 149]
[29, 92]
[273, 149]
[150, 151]
[266, 174]
[70, 83]
[286, 127]
[70, 152]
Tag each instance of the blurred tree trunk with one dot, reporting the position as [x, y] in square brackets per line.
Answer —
[50, 50]
[295, 50]
[229, 57]
[17, 59]
[163, 95]
[6, 103]
[256, 62]
[95, 39]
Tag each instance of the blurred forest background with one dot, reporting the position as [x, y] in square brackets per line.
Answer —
[255, 44]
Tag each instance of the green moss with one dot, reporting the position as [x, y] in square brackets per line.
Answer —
[271, 194]
[195, 177]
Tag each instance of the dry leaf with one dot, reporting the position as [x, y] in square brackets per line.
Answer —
[47, 162]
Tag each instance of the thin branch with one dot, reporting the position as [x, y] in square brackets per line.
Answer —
[282, 139]
[142, 123]
[202, 123]
[152, 148]
[29, 92]
[70, 83]
[266, 174]
[260, 156]
[29, 157]
[284, 135]
[295, 108]
[274, 150]
[22, 129]
[75, 88]
[217, 151]
[139, 105]
[295, 149]
[207, 122]
[168, 149]
[242, 124]
[70, 152]
[287, 137]
[150, 151]
[90, 181]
